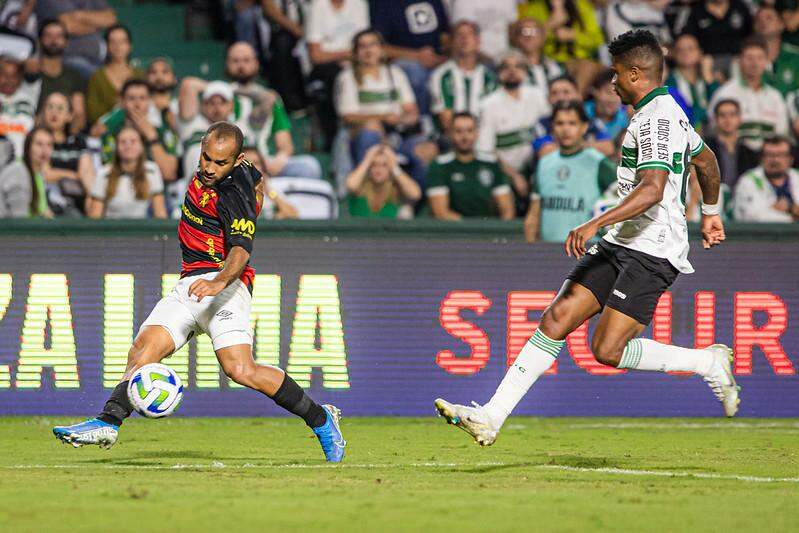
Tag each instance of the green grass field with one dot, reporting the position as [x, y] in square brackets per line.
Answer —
[565, 474]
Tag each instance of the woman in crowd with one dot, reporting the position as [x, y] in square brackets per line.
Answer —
[71, 171]
[105, 83]
[22, 184]
[378, 188]
[131, 186]
[692, 76]
[376, 103]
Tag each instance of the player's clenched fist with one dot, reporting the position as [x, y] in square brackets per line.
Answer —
[203, 287]
[578, 237]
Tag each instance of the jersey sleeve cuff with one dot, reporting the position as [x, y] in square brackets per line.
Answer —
[695, 151]
[657, 165]
[437, 191]
[500, 190]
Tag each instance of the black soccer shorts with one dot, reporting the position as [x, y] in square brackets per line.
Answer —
[626, 280]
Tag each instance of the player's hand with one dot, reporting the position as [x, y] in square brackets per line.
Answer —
[203, 287]
[579, 237]
[712, 231]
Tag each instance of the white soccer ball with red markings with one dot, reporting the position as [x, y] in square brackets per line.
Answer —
[155, 390]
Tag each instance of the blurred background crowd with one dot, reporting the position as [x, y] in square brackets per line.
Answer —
[444, 109]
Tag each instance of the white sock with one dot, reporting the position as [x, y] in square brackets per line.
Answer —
[646, 354]
[535, 358]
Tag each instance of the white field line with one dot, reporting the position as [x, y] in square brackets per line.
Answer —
[722, 424]
[249, 466]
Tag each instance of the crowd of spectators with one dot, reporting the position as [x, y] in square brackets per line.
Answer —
[447, 109]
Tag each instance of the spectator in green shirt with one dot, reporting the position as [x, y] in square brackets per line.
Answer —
[784, 57]
[467, 184]
[378, 187]
[134, 111]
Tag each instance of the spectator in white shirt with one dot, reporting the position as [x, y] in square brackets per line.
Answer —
[494, 18]
[770, 192]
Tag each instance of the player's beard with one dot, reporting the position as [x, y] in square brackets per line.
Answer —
[53, 51]
[163, 87]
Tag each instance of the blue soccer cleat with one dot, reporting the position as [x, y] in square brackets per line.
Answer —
[92, 431]
[330, 436]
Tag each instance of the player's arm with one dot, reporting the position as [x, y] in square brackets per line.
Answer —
[439, 205]
[648, 192]
[709, 177]
[532, 222]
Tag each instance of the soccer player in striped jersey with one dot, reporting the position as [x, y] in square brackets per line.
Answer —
[621, 277]
[213, 296]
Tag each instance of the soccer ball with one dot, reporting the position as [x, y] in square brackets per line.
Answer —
[155, 390]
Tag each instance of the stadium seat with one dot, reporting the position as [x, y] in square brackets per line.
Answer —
[314, 199]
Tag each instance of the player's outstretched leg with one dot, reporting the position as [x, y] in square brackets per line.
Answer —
[152, 344]
[614, 344]
[570, 308]
[237, 362]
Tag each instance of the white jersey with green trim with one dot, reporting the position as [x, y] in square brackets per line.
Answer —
[659, 137]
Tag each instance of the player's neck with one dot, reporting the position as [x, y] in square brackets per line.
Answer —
[467, 62]
[646, 94]
[464, 157]
[568, 151]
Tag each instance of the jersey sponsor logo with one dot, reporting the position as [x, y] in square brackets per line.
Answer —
[194, 218]
[204, 200]
[593, 250]
[458, 177]
[421, 18]
[244, 226]
[563, 173]
[618, 293]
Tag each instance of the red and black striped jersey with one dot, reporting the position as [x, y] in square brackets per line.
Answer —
[215, 219]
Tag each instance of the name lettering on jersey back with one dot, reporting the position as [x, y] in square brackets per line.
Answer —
[646, 141]
[663, 139]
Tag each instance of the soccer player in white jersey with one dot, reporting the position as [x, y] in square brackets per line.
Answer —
[622, 277]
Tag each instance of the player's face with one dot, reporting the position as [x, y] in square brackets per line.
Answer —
[529, 36]
[218, 158]
[41, 147]
[687, 53]
[568, 130]
[753, 62]
[161, 77]
[370, 51]
[563, 91]
[511, 72]
[10, 77]
[56, 112]
[380, 172]
[54, 40]
[129, 145]
[776, 159]
[217, 108]
[242, 63]
[136, 99]
[623, 82]
[465, 39]
[119, 45]
[728, 119]
[464, 135]
[606, 100]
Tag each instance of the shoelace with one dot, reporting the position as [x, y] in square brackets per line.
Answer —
[716, 387]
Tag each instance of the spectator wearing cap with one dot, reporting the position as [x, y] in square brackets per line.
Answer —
[162, 81]
[720, 26]
[783, 71]
[528, 36]
[564, 89]
[330, 27]
[107, 81]
[770, 192]
[763, 109]
[263, 118]
[733, 155]
[460, 83]
[415, 34]
[160, 142]
[508, 118]
[605, 111]
[494, 19]
[17, 104]
[85, 20]
[465, 183]
[55, 76]
[692, 77]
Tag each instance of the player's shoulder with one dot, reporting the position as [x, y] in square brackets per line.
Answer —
[151, 167]
[484, 157]
[241, 182]
[445, 159]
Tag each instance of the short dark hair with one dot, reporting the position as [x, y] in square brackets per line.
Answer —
[777, 139]
[50, 22]
[754, 41]
[134, 82]
[466, 22]
[115, 27]
[224, 130]
[562, 77]
[570, 105]
[638, 48]
[464, 114]
[604, 77]
[724, 101]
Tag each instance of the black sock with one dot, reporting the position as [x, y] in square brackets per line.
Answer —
[118, 406]
[294, 400]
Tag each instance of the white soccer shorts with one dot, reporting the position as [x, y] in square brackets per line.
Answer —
[224, 317]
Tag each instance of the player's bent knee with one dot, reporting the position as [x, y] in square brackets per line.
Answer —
[606, 353]
[241, 373]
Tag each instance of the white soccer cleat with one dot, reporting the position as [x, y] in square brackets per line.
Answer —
[721, 379]
[472, 420]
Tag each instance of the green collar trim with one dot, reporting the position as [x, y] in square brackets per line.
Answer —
[658, 91]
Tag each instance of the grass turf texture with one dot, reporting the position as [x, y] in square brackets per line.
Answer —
[239, 474]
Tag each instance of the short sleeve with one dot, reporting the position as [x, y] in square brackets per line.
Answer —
[313, 27]
[346, 94]
[436, 179]
[406, 95]
[280, 118]
[501, 183]
[238, 214]
[100, 184]
[655, 136]
[695, 142]
[606, 174]
[155, 179]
